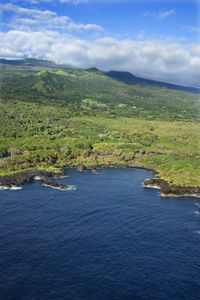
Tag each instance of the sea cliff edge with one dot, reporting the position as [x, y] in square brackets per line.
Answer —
[16, 180]
[167, 190]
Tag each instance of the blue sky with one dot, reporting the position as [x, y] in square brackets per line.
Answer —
[151, 39]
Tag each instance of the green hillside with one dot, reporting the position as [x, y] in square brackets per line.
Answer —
[53, 117]
[92, 91]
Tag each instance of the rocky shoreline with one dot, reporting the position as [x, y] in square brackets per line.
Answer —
[16, 180]
[171, 190]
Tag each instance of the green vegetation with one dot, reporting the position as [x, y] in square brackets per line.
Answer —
[51, 118]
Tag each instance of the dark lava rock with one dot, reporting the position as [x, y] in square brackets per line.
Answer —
[171, 190]
[18, 179]
[49, 182]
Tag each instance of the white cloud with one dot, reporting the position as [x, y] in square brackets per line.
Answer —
[34, 19]
[194, 49]
[164, 14]
[160, 15]
[159, 60]
[25, 11]
[45, 35]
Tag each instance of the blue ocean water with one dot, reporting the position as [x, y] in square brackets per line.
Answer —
[106, 238]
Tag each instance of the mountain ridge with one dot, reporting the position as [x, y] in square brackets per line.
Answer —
[95, 91]
[129, 78]
[123, 76]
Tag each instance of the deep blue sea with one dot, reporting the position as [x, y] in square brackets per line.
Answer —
[106, 238]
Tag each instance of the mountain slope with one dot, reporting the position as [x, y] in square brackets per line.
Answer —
[115, 93]
[129, 78]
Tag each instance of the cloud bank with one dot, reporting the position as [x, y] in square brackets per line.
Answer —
[44, 35]
[151, 59]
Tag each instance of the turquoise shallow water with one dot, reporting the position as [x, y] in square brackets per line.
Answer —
[106, 238]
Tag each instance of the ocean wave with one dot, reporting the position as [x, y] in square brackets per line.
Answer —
[151, 186]
[196, 212]
[71, 188]
[197, 232]
[13, 188]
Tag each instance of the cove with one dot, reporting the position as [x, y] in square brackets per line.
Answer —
[107, 237]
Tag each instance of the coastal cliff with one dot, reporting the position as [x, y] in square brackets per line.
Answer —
[18, 179]
[171, 190]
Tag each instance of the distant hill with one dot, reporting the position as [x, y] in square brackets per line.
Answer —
[129, 78]
[34, 65]
[24, 67]
[92, 91]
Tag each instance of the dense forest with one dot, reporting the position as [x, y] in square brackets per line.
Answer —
[54, 116]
